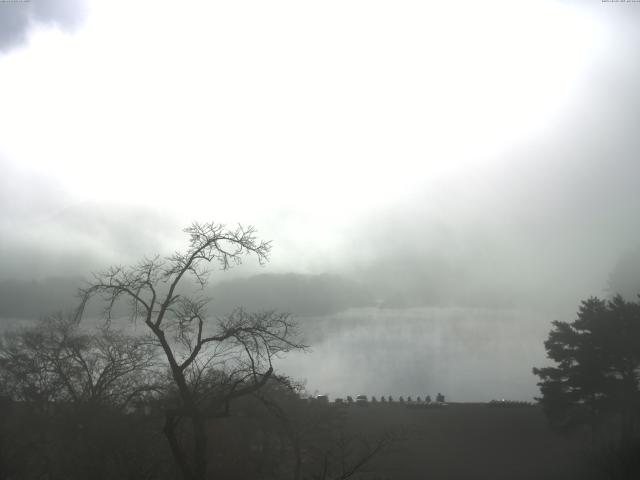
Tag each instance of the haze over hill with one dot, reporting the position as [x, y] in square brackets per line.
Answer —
[361, 341]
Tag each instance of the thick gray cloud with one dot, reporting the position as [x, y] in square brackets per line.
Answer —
[45, 232]
[83, 238]
[541, 227]
[36, 299]
[17, 18]
[557, 211]
[544, 230]
[300, 295]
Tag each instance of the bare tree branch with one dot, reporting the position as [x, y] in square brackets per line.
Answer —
[211, 362]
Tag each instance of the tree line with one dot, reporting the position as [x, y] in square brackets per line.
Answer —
[192, 397]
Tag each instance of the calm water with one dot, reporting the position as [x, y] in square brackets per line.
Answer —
[467, 354]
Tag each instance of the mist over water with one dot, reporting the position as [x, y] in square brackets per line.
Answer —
[469, 354]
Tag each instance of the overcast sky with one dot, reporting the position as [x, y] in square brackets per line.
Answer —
[440, 153]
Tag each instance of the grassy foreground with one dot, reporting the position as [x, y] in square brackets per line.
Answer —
[470, 441]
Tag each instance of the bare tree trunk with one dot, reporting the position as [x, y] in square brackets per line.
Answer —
[177, 452]
[200, 446]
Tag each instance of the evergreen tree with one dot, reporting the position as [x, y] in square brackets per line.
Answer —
[595, 378]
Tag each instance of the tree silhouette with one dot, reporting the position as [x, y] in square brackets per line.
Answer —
[595, 380]
[212, 362]
[57, 362]
[70, 394]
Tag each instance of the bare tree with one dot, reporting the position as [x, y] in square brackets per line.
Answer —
[211, 362]
[67, 391]
[57, 362]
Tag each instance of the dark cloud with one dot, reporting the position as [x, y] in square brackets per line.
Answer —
[17, 18]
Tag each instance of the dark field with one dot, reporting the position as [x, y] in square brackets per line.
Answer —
[470, 441]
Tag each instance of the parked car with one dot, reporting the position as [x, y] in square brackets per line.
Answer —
[361, 400]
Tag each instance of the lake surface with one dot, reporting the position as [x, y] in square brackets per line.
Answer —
[467, 354]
